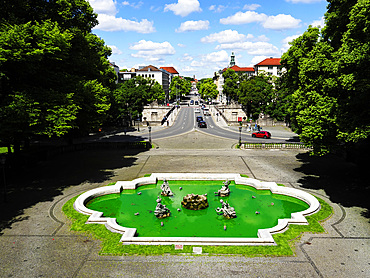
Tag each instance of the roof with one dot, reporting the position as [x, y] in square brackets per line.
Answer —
[170, 70]
[240, 69]
[152, 68]
[270, 62]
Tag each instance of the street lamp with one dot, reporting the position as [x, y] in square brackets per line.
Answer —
[2, 162]
[150, 136]
[240, 135]
[138, 122]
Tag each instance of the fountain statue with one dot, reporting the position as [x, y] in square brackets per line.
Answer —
[161, 211]
[166, 190]
[195, 201]
[226, 210]
[225, 190]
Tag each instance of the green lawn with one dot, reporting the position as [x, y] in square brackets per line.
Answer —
[110, 244]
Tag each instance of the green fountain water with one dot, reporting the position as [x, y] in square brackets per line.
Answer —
[135, 210]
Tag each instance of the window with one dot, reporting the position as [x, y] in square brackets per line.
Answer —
[270, 67]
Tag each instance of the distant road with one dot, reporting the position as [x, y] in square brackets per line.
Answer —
[186, 122]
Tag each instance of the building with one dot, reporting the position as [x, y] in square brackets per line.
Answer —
[270, 66]
[171, 70]
[162, 76]
[123, 76]
[249, 71]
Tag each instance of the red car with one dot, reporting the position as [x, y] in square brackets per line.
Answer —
[262, 134]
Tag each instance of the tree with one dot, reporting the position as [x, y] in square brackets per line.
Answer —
[208, 89]
[328, 79]
[130, 98]
[255, 94]
[51, 66]
[230, 87]
[179, 87]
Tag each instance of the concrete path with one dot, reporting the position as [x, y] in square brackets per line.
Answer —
[35, 239]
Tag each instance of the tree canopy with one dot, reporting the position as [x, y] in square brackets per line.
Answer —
[179, 87]
[328, 78]
[54, 73]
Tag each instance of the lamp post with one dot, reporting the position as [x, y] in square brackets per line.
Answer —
[138, 122]
[240, 135]
[150, 135]
[2, 162]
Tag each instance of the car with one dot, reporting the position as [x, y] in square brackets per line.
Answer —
[206, 112]
[197, 110]
[199, 118]
[262, 134]
[196, 102]
[202, 124]
[191, 102]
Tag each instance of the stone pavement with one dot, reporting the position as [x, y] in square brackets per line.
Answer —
[35, 240]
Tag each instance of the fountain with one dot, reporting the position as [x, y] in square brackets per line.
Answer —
[161, 211]
[226, 210]
[195, 202]
[225, 190]
[166, 190]
[263, 209]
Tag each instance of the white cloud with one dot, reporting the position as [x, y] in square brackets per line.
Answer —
[251, 7]
[303, 1]
[225, 37]
[244, 18]
[152, 51]
[278, 22]
[262, 38]
[186, 57]
[111, 23]
[181, 45]
[104, 6]
[281, 22]
[319, 23]
[183, 7]
[193, 26]
[217, 9]
[286, 42]
[115, 49]
[187, 69]
[214, 59]
[252, 48]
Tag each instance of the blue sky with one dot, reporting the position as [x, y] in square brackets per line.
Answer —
[196, 37]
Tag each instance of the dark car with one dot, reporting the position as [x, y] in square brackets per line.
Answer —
[199, 118]
[191, 102]
[262, 134]
[202, 124]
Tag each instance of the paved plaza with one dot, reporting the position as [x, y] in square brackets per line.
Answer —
[35, 240]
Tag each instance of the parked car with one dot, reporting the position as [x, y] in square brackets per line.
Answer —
[262, 134]
[196, 102]
[191, 102]
[202, 124]
[199, 118]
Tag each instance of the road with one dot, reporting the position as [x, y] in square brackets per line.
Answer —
[185, 122]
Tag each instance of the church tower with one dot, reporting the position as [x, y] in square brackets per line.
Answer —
[232, 60]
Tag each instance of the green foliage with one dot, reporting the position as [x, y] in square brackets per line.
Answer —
[54, 74]
[179, 87]
[256, 94]
[129, 98]
[327, 79]
[111, 245]
[208, 89]
[230, 87]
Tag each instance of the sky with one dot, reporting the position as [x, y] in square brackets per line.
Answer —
[197, 37]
